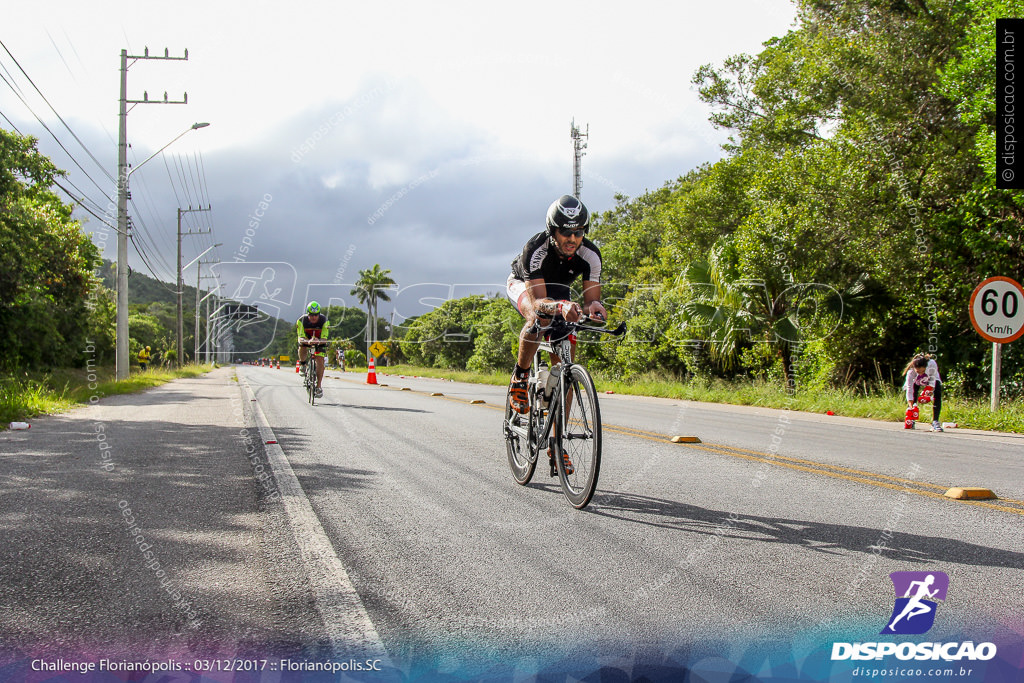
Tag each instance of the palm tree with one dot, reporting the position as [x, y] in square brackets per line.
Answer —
[726, 311]
[369, 289]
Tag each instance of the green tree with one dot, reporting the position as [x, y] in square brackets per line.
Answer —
[46, 263]
[444, 337]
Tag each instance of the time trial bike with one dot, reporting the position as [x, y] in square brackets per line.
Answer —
[564, 414]
[309, 375]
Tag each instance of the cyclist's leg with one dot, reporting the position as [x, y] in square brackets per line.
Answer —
[303, 355]
[528, 343]
[319, 359]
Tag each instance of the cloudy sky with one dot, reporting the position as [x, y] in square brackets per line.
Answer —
[427, 137]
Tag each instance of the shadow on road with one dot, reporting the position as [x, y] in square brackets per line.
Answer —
[102, 554]
[814, 536]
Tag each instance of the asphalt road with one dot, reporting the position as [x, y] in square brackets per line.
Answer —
[777, 527]
[136, 527]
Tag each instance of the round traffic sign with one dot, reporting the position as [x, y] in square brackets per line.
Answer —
[997, 309]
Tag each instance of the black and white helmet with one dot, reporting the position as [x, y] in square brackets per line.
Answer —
[567, 212]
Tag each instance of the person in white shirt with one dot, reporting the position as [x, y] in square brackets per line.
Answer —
[921, 371]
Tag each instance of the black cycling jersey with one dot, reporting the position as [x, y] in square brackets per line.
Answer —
[540, 260]
[307, 329]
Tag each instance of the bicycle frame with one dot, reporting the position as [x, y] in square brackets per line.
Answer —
[309, 376]
[562, 348]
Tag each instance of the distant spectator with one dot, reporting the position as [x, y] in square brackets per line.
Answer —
[144, 357]
[923, 371]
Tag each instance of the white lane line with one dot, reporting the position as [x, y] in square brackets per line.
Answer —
[345, 618]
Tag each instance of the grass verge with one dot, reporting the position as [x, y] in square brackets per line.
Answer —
[22, 398]
[888, 405]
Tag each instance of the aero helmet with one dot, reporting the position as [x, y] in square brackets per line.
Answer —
[567, 212]
[313, 308]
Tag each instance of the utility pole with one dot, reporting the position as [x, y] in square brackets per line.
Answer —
[121, 345]
[199, 276]
[577, 148]
[181, 283]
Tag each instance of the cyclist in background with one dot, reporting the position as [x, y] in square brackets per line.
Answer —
[539, 283]
[312, 326]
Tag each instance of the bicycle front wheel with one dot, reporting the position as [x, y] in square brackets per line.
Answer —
[578, 434]
[311, 380]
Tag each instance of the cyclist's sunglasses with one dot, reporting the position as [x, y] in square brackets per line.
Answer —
[569, 232]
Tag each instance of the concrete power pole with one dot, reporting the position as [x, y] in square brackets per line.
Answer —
[199, 278]
[121, 345]
[577, 147]
[181, 282]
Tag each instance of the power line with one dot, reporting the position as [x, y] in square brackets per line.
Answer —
[59, 117]
[80, 198]
[53, 135]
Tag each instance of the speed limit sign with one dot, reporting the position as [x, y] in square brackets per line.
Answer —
[997, 309]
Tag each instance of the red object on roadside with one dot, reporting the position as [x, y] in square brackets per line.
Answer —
[926, 394]
[829, 412]
[912, 414]
[371, 372]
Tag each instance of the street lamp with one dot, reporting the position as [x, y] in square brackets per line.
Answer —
[124, 173]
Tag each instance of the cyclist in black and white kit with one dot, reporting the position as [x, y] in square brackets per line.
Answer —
[539, 284]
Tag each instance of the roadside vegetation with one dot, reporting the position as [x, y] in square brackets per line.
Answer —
[852, 215]
[878, 402]
[60, 389]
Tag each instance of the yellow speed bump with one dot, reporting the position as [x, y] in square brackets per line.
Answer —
[685, 439]
[406, 389]
[436, 393]
[970, 493]
[476, 402]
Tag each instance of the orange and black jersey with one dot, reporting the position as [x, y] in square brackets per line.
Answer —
[309, 330]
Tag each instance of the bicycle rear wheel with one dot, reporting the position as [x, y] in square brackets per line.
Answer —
[519, 453]
[579, 436]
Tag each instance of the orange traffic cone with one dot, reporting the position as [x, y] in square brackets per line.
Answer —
[278, 364]
[371, 372]
[296, 367]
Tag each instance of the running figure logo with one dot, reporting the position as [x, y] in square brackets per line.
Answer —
[917, 596]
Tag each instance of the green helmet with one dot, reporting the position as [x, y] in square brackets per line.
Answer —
[313, 308]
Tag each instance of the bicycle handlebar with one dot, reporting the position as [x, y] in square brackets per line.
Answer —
[579, 326]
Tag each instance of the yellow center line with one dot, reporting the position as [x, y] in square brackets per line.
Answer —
[799, 464]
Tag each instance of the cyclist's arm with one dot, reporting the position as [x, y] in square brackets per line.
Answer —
[325, 330]
[544, 305]
[592, 305]
[537, 295]
[300, 330]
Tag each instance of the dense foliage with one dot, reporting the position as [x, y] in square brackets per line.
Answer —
[844, 230]
[46, 264]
